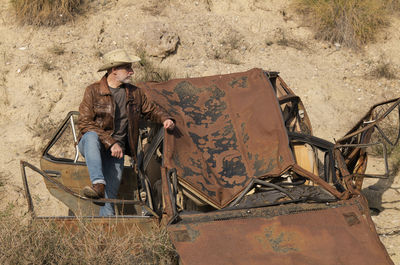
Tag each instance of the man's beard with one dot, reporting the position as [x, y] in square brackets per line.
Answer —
[127, 80]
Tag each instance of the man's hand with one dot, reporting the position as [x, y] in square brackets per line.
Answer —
[116, 151]
[169, 124]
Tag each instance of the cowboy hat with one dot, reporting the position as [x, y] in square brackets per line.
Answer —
[117, 58]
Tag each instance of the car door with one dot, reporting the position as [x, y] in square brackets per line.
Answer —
[65, 174]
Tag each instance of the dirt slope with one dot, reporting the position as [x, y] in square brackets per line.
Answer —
[44, 72]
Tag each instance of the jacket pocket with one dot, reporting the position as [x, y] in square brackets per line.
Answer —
[102, 109]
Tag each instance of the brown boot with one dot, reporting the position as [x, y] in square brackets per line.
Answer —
[96, 191]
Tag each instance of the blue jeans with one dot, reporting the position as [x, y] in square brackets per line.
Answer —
[103, 168]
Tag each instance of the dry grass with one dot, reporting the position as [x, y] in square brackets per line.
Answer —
[232, 41]
[47, 12]
[393, 5]
[148, 72]
[351, 23]
[229, 46]
[57, 50]
[46, 243]
[394, 160]
[43, 127]
[384, 70]
[393, 153]
[389, 126]
[280, 38]
[47, 66]
[4, 97]
[283, 40]
[2, 179]
[392, 132]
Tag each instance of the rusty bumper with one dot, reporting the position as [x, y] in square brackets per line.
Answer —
[337, 233]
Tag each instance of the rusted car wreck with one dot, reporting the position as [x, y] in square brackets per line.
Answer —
[241, 180]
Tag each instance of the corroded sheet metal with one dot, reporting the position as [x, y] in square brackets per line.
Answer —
[75, 177]
[342, 235]
[229, 130]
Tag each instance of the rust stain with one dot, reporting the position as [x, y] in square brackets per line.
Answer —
[279, 242]
[351, 218]
[185, 235]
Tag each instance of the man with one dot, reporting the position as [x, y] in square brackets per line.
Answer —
[108, 124]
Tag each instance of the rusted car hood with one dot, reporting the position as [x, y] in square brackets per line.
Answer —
[230, 130]
[296, 234]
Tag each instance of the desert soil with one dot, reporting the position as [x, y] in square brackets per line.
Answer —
[44, 72]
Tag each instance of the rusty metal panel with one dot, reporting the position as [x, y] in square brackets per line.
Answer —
[229, 130]
[338, 235]
[75, 176]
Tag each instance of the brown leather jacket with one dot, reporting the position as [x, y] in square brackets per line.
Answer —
[97, 112]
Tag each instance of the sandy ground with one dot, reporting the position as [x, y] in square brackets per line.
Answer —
[38, 85]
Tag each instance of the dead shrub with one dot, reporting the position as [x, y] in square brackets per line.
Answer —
[394, 160]
[393, 153]
[4, 95]
[351, 23]
[390, 128]
[218, 54]
[232, 41]
[47, 66]
[282, 40]
[384, 70]
[45, 242]
[2, 179]
[43, 127]
[392, 5]
[229, 46]
[147, 71]
[47, 12]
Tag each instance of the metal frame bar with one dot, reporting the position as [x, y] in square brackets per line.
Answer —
[380, 176]
[75, 139]
[357, 130]
[59, 132]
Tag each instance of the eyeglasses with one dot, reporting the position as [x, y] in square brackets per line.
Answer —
[127, 67]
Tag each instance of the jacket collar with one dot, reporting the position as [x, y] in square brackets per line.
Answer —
[104, 90]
